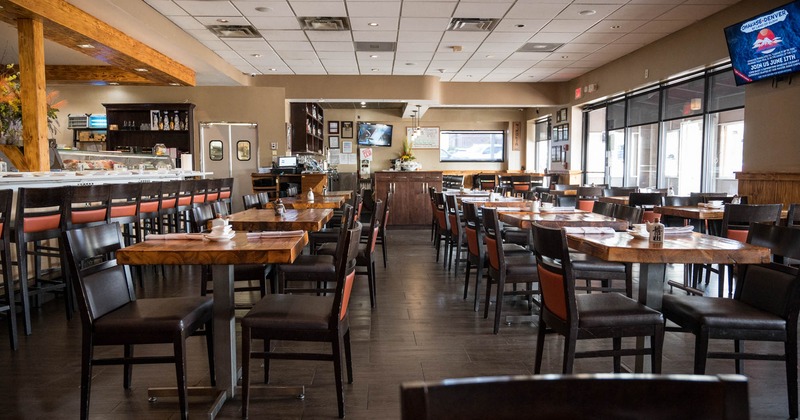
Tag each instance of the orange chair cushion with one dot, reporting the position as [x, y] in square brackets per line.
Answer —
[87, 216]
[586, 205]
[42, 223]
[121, 211]
[738, 235]
[348, 287]
[553, 294]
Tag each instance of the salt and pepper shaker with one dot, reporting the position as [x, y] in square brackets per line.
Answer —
[536, 203]
[310, 194]
[656, 230]
[280, 209]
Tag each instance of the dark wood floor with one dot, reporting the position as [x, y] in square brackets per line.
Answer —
[421, 330]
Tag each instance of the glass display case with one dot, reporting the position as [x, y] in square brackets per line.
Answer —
[81, 160]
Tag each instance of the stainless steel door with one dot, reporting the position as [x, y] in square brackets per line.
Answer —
[230, 150]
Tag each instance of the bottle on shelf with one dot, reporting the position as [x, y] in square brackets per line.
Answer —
[165, 121]
[176, 121]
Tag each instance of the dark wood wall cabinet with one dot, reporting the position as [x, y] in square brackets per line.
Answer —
[308, 127]
[137, 127]
[412, 206]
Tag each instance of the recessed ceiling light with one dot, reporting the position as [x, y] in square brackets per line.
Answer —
[375, 69]
[255, 55]
[223, 20]
[588, 12]
[520, 25]
[540, 46]
[142, 70]
[489, 56]
[411, 64]
[403, 101]
[373, 56]
[273, 69]
[263, 9]
[174, 84]
[616, 27]
[113, 83]
[86, 46]
[564, 56]
[469, 75]
[363, 103]
[373, 24]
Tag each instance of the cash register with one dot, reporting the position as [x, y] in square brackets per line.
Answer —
[286, 165]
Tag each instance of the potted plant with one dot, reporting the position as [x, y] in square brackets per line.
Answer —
[407, 157]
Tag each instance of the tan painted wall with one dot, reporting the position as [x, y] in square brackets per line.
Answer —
[264, 106]
[772, 128]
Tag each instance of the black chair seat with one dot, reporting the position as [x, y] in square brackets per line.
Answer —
[515, 235]
[613, 310]
[515, 248]
[693, 311]
[146, 321]
[328, 248]
[518, 265]
[251, 271]
[586, 263]
[290, 312]
[311, 264]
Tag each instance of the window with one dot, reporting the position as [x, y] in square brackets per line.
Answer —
[472, 146]
[215, 150]
[542, 145]
[595, 162]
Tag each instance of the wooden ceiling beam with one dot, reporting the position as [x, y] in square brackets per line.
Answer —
[93, 75]
[32, 95]
[70, 26]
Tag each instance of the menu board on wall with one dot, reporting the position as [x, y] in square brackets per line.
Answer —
[426, 138]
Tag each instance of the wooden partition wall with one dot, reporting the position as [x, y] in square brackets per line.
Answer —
[770, 187]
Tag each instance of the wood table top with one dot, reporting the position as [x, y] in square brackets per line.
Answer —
[521, 204]
[468, 193]
[698, 212]
[347, 194]
[525, 219]
[239, 250]
[252, 220]
[301, 202]
[615, 199]
[694, 248]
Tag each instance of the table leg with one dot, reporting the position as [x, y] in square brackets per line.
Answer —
[651, 293]
[224, 329]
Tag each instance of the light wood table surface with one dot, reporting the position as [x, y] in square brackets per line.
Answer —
[301, 202]
[252, 220]
[615, 199]
[697, 212]
[347, 194]
[222, 256]
[525, 219]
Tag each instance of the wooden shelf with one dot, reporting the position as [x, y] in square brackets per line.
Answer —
[308, 128]
[138, 114]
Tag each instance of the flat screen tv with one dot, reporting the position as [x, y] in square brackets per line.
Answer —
[765, 45]
[371, 134]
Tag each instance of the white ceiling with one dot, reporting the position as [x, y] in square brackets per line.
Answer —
[594, 32]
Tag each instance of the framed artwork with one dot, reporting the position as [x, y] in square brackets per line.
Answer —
[333, 127]
[347, 147]
[333, 142]
[561, 115]
[347, 129]
[555, 154]
[516, 135]
[565, 132]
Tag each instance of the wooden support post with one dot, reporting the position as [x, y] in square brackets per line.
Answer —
[32, 94]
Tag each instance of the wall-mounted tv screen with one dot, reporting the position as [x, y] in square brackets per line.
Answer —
[370, 134]
[765, 45]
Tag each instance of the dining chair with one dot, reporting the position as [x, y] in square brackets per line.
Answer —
[764, 308]
[382, 237]
[566, 201]
[647, 201]
[606, 209]
[200, 216]
[631, 214]
[504, 185]
[485, 182]
[149, 199]
[183, 206]
[587, 196]
[301, 318]
[442, 234]
[457, 238]
[251, 201]
[8, 302]
[89, 205]
[331, 233]
[112, 316]
[226, 192]
[168, 206]
[505, 269]
[675, 201]
[125, 209]
[619, 191]
[521, 184]
[263, 198]
[793, 215]
[585, 396]
[587, 316]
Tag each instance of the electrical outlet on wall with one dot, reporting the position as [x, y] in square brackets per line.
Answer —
[274, 146]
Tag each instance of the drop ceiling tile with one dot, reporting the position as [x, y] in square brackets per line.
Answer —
[498, 78]
[637, 38]
[428, 9]
[384, 24]
[305, 69]
[610, 26]
[487, 65]
[455, 36]
[269, 59]
[300, 62]
[663, 26]
[414, 56]
[298, 55]
[656, 1]
[568, 25]
[619, 48]
[481, 10]
[167, 8]
[596, 38]
[248, 44]
[446, 65]
[336, 55]
[283, 35]
[380, 57]
[375, 70]
[564, 56]
[276, 8]
[555, 37]
[593, 63]
[273, 23]
[499, 57]
[539, 72]
[418, 36]
[333, 46]
[215, 45]
[640, 11]
[416, 46]
[593, 12]
[531, 57]
[229, 55]
[499, 47]
[575, 47]
[187, 22]
[530, 26]
[516, 37]
[527, 79]
[374, 36]
[342, 70]
[208, 8]
[423, 24]
[281, 46]
[282, 69]
[370, 9]
[329, 36]
[513, 66]
[409, 70]
[244, 67]
[691, 12]
[552, 64]
[222, 20]
[318, 8]
[467, 48]
[339, 63]
[202, 34]
[536, 10]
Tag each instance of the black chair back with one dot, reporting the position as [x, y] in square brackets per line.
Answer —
[606, 209]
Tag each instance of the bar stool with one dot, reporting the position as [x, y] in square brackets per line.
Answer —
[168, 206]
[40, 218]
[149, 199]
[226, 192]
[125, 209]
[89, 205]
[9, 303]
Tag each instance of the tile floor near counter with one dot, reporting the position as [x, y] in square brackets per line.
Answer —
[421, 330]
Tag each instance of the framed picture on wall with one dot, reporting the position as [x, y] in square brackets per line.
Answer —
[561, 115]
[347, 129]
[333, 127]
[333, 142]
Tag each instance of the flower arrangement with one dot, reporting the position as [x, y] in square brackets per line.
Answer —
[407, 154]
[11, 108]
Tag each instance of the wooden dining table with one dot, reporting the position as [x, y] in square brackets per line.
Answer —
[302, 202]
[347, 194]
[222, 256]
[615, 199]
[525, 219]
[252, 220]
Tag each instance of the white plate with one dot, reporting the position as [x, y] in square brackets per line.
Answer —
[221, 238]
[639, 235]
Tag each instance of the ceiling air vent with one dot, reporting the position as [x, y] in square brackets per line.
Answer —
[234, 31]
[375, 46]
[539, 47]
[324, 23]
[472, 24]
